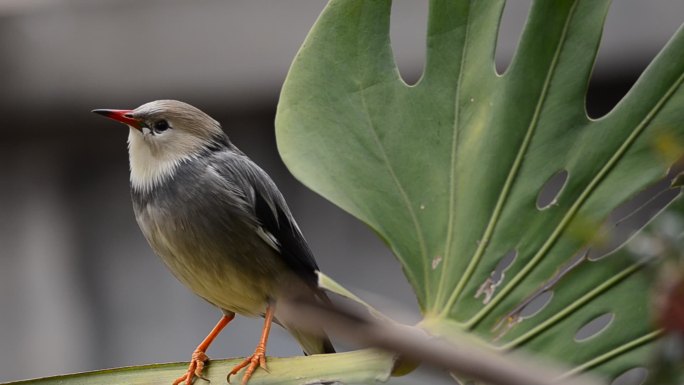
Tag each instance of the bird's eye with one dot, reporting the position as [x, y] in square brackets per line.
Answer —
[161, 125]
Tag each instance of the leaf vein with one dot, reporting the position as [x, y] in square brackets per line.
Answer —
[605, 170]
[452, 179]
[569, 309]
[605, 357]
[513, 173]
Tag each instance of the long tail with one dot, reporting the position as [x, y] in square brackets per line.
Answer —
[312, 343]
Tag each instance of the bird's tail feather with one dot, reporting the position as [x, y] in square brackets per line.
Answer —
[312, 343]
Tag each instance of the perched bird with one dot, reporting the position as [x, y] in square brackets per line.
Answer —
[218, 222]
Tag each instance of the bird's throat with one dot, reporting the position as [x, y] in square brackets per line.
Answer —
[150, 168]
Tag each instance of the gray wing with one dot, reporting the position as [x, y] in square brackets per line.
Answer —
[275, 224]
[277, 227]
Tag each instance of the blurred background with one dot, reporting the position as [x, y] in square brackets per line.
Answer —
[79, 287]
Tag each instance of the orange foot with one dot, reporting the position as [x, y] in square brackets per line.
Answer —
[258, 359]
[199, 358]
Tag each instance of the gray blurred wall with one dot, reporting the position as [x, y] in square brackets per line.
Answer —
[79, 288]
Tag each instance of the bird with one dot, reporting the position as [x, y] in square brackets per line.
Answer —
[219, 223]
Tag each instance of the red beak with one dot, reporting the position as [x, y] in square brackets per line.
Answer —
[123, 116]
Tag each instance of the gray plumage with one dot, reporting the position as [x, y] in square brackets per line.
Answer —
[214, 217]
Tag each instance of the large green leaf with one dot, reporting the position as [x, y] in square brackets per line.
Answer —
[448, 171]
[362, 366]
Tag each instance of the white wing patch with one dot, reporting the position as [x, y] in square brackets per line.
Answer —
[268, 238]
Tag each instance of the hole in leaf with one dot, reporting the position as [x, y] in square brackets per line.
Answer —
[489, 286]
[537, 304]
[504, 264]
[528, 308]
[632, 204]
[594, 327]
[548, 195]
[408, 33]
[634, 376]
[628, 219]
[536, 301]
[510, 29]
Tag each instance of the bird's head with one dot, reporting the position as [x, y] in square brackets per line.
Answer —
[162, 135]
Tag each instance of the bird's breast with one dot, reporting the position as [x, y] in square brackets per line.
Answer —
[209, 246]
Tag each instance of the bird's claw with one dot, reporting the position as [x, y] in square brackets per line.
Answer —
[197, 362]
[257, 360]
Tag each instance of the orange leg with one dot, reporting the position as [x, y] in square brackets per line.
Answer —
[258, 359]
[199, 356]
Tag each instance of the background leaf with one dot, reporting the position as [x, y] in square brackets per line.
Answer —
[448, 171]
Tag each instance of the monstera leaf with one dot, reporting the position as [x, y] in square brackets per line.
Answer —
[492, 190]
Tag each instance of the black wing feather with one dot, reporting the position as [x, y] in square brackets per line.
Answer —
[293, 247]
[262, 196]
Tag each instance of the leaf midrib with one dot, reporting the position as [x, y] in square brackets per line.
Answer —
[513, 173]
[452, 177]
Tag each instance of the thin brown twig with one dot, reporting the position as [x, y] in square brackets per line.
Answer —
[467, 359]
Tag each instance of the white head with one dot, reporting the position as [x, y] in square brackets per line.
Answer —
[162, 135]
